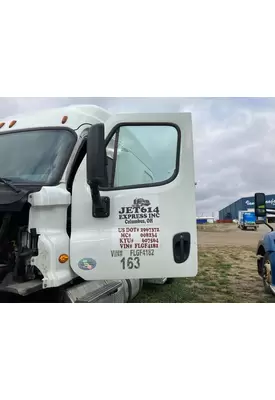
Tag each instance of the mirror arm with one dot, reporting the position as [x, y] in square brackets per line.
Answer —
[97, 200]
[101, 205]
[269, 226]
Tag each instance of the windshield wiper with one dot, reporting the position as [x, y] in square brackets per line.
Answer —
[8, 183]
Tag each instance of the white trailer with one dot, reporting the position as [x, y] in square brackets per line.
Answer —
[91, 204]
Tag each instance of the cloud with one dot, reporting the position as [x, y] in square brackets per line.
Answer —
[234, 139]
[237, 160]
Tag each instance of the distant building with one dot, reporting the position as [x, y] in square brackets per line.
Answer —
[246, 203]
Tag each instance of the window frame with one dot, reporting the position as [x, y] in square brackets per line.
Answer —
[145, 185]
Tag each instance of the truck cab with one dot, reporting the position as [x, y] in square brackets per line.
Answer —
[247, 220]
[91, 204]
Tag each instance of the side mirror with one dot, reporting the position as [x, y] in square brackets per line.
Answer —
[260, 206]
[96, 156]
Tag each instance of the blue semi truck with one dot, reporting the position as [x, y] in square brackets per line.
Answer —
[247, 220]
[266, 246]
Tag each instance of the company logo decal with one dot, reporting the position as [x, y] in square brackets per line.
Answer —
[141, 203]
[139, 212]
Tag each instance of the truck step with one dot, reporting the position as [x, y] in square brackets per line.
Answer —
[102, 294]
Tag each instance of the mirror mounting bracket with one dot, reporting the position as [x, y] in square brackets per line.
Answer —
[269, 226]
[101, 205]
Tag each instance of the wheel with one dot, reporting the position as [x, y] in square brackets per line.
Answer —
[267, 274]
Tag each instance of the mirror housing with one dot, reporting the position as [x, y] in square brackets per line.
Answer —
[96, 156]
[260, 206]
[97, 170]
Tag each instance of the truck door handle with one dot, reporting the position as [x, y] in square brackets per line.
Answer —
[181, 247]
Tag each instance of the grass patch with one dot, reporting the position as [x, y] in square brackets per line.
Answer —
[226, 275]
[216, 227]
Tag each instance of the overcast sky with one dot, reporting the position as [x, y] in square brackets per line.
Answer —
[234, 139]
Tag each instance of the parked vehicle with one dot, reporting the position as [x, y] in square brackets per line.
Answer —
[247, 220]
[266, 246]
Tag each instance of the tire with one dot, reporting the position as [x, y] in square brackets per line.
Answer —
[266, 260]
[169, 281]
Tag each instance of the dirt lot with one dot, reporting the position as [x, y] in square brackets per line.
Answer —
[227, 270]
[220, 235]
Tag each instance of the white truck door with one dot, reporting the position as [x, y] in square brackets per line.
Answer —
[151, 230]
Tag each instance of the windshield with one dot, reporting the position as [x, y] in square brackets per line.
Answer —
[36, 155]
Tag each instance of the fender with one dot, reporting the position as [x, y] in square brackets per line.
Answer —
[267, 245]
[268, 242]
